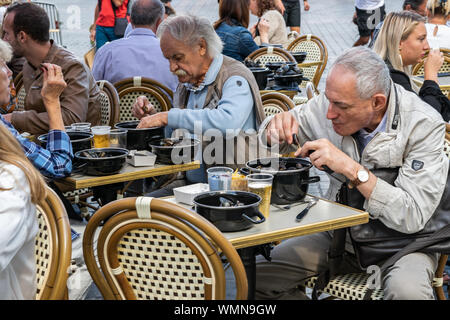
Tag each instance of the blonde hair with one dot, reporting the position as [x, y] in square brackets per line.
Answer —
[443, 7]
[6, 52]
[11, 152]
[396, 28]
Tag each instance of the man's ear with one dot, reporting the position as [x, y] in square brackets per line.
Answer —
[22, 36]
[202, 44]
[379, 102]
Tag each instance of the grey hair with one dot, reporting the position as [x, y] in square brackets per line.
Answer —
[190, 30]
[6, 52]
[146, 12]
[372, 73]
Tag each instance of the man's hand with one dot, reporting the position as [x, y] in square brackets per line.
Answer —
[306, 5]
[281, 128]
[142, 107]
[322, 152]
[156, 120]
[53, 84]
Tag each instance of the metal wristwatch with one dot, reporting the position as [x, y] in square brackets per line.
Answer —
[361, 176]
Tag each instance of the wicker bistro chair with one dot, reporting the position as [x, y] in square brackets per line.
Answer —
[353, 286]
[154, 249]
[89, 58]
[20, 92]
[276, 102]
[110, 103]
[270, 54]
[129, 89]
[418, 70]
[53, 248]
[316, 59]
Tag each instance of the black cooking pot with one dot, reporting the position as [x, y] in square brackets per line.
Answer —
[260, 75]
[299, 56]
[227, 219]
[138, 139]
[100, 161]
[174, 150]
[289, 185]
[80, 140]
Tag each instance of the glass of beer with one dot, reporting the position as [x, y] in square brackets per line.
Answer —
[261, 184]
[101, 136]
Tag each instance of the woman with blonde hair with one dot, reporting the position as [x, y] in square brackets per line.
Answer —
[401, 43]
[21, 188]
[438, 33]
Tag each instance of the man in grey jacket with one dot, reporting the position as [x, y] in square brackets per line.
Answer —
[362, 122]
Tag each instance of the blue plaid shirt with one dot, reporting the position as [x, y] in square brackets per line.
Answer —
[53, 162]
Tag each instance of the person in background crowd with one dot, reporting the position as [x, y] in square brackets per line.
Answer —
[417, 6]
[266, 11]
[368, 14]
[106, 11]
[290, 9]
[438, 33]
[351, 128]
[55, 161]
[234, 16]
[26, 28]
[214, 90]
[141, 47]
[401, 43]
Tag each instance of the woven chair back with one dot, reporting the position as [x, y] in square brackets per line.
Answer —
[53, 248]
[131, 88]
[316, 58]
[158, 250]
[270, 54]
[109, 100]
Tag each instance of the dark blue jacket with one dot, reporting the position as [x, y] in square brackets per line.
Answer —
[237, 41]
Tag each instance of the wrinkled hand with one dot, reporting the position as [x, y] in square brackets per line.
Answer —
[325, 153]
[142, 107]
[156, 120]
[281, 128]
[306, 5]
[432, 64]
[54, 83]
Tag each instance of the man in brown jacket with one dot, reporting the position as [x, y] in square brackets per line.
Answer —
[26, 28]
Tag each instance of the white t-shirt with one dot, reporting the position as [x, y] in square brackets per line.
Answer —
[368, 4]
[442, 38]
[18, 229]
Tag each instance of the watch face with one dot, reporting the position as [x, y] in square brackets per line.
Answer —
[363, 175]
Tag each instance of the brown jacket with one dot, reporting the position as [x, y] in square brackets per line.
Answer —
[80, 100]
[230, 67]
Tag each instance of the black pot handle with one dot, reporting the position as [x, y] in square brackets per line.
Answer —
[79, 168]
[310, 180]
[260, 216]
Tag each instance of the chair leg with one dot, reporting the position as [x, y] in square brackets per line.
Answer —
[438, 278]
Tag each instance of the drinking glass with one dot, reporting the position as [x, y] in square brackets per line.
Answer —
[101, 136]
[261, 184]
[219, 178]
[118, 138]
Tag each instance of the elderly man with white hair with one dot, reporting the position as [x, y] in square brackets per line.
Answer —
[363, 125]
[215, 91]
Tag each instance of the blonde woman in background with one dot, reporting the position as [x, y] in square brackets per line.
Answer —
[401, 43]
[21, 188]
[438, 33]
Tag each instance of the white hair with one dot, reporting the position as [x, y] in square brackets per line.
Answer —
[6, 52]
[372, 73]
[190, 29]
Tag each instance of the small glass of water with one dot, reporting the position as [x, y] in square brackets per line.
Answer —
[219, 178]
